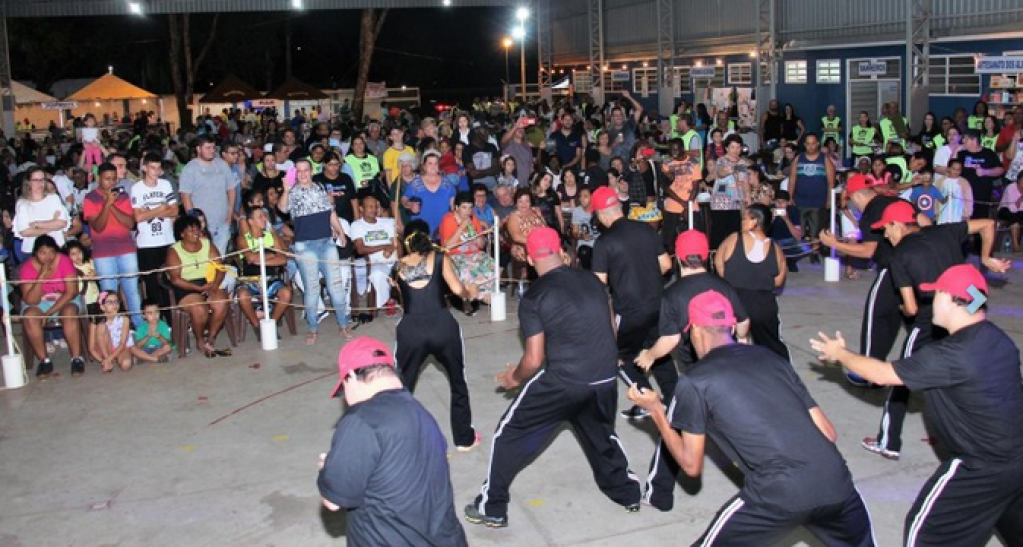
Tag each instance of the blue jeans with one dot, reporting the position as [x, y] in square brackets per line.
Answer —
[121, 265]
[315, 257]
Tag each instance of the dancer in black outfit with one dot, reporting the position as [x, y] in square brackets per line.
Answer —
[567, 325]
[749, 261]
[427, 327]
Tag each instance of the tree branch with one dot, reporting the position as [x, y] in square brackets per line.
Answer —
[209, 42]
[380, 23]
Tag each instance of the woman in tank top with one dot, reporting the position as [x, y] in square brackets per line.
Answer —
[196, 284]
[755, 266]
[428, 328]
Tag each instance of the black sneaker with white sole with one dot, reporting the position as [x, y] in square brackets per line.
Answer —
[474, 516]
[635, 413]
[77, 366]
[45, 368]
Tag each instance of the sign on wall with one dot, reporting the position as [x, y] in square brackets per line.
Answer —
[620, 76]
[873, 68]
[60, 105]
[702, 72]
[999, 65]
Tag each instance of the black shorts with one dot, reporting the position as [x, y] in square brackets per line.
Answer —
[180, 294]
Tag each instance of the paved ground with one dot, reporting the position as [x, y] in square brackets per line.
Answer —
[222, 452]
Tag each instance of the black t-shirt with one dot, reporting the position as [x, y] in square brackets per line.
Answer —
[594, 177]
[569, 306]
[982, 187]
[922, 257]
[675, 304]
[971, 381]
[342, 189]
[756, 410]
[780, 229]
[628, 253]
[567, 146]
[482, 158]
[872, 213]
[388, 467]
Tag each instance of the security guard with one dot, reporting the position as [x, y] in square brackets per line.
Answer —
[831, 126]
[863, 136]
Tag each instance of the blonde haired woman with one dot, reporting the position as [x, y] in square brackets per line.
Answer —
[38, 212]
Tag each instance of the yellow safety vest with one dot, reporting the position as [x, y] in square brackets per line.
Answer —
[989, 142]
[901, 162]
[888, 130]
[688, 138]
[975, 122]
[831, 128]
[862, 134]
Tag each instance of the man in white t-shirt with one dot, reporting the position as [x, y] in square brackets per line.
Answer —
[156, 207]
[376, 239]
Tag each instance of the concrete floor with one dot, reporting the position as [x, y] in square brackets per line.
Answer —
[223, 452]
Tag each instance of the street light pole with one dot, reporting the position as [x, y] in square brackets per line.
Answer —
[520, 33]
[507, 43]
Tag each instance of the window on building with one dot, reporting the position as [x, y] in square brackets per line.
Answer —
[717, 81]
[954, 75]
[795, 72]
[644, 80]
[582, 81]
[829, 71]
[683, 83]
[611, 85]
[740, 74]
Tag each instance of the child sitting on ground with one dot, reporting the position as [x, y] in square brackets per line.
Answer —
[112, 338]
[153, 337]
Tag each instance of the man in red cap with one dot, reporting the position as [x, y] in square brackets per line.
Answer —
[388, 458]
[920, 255]
[630, 258]
[882, 318]
[566, 322]
[753, 405]
[971, 381]
[692, 251]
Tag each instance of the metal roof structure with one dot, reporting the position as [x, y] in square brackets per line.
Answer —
[81, 8]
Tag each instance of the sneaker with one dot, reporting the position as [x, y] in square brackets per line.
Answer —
[635, 413]
[476, 442]
[857, 380]
[474, 516]
[77, 366]
[871, 445]
[44, 368]
[634, 508]
[391, 308]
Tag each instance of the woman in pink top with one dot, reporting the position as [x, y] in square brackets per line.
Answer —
[47, 300]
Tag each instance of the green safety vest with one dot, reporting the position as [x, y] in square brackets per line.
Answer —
[673, 120]
[989, 142]
[363, 168]
[901, 162]
[253, 243]
[937, 142]
[831, 128]
[862, 134]
[975, 122]
[888, 130]
[317, 167]
[688, 138]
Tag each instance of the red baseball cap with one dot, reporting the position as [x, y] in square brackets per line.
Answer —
[692, 242]
[603, 198]
[710, 309]
[957, 280]
[360, 353]
[899, 211]
[543, 242]
[856, 183]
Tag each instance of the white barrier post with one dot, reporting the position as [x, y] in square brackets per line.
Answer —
[691, 215]
[832, 265]
[267, 326]
[498, 300]
[15, 375]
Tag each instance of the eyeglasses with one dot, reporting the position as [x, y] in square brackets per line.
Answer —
[37, 180]
[111, 301]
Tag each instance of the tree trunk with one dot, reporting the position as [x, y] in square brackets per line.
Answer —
[184, 77]
[369, 30]
[184, 115]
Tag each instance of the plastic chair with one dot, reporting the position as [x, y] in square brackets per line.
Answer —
[181, 321]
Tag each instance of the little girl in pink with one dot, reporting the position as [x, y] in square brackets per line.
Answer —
[93, 153]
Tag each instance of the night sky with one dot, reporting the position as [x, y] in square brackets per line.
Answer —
[451, 53]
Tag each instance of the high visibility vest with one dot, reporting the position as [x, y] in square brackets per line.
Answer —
[901, 162]
[938, 141]
[989, 142]
[688, 138]
[862, 134]
[888, 130]
[830, 128]
[975, 122]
